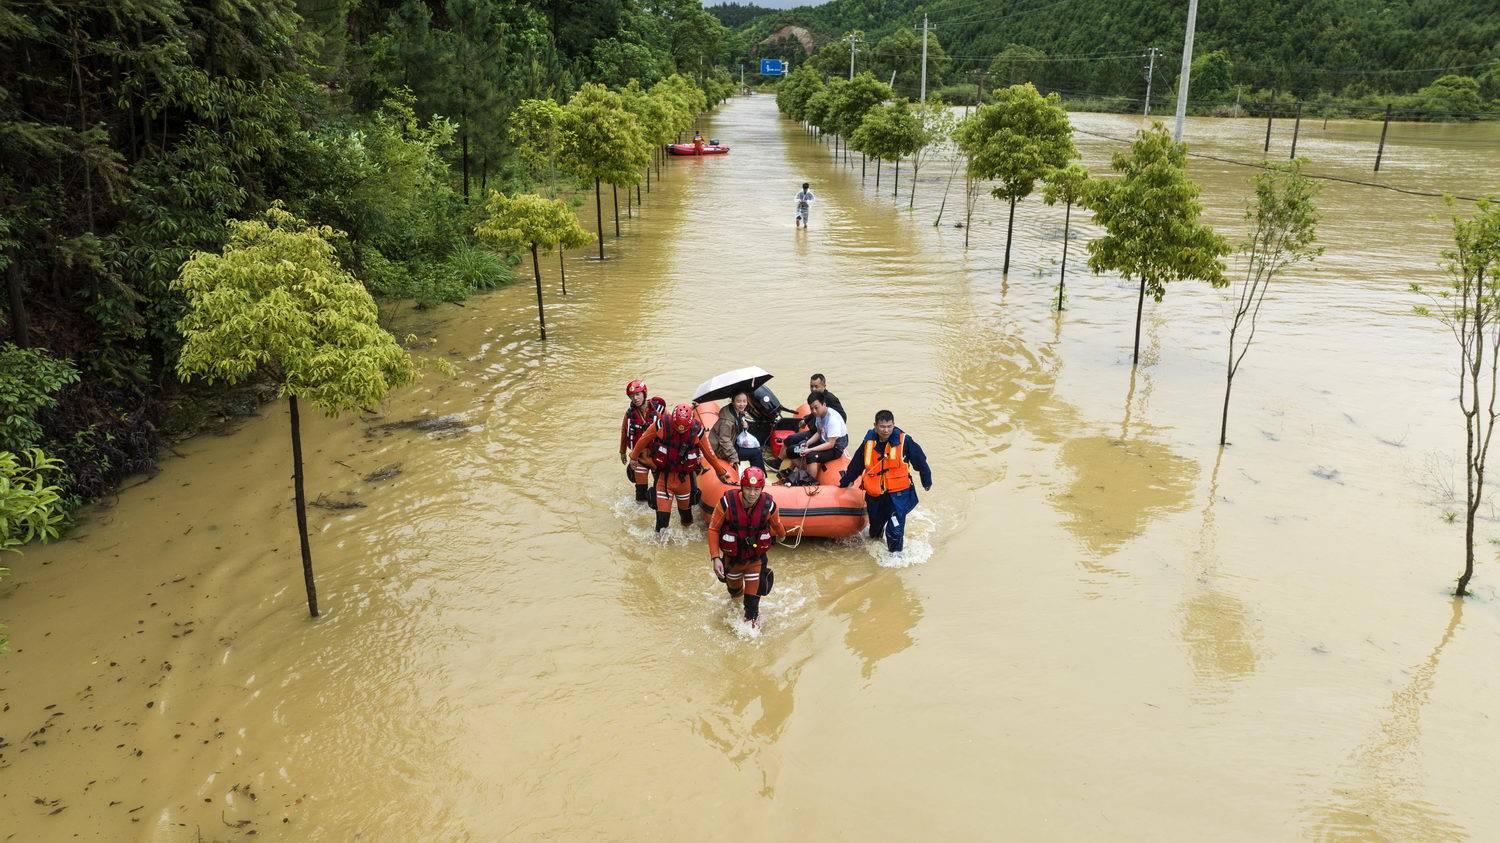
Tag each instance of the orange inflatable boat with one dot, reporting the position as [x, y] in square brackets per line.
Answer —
[824, 510]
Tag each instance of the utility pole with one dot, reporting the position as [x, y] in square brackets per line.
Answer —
[1187, 68]
[924, 58]
[979, 76]
[853, 39]
[1150, 74]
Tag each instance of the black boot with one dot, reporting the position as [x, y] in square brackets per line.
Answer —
[662, 520]
[643, 493]
[687, 517]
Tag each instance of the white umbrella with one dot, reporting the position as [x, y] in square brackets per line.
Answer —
[723, 386]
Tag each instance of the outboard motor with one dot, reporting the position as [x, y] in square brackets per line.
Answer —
[765, 410]
[714, 142]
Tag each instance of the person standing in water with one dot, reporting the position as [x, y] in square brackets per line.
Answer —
[889, 495]
[640, 415]
[804, 206]
[675, 447]
[740, 533]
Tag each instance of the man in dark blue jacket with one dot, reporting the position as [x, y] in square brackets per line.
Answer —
[881, 460]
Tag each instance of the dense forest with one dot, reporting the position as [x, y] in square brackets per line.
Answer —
[132, 133]
[1339, 51]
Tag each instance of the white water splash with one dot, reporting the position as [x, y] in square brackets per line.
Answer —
[917, 547]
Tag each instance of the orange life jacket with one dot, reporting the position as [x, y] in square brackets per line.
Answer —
[638, 419]
[746, 535]
[677, 453]
[888, 473]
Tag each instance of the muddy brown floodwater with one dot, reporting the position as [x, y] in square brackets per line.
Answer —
[1102, 628]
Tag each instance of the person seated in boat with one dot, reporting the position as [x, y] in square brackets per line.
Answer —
[675, 447]
[804, 206]
[824, 443]
[818, 385]
[739, 538]
[731, 437]
[641, 414]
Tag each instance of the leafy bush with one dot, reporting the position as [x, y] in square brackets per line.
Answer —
[31, 507]
[477, 269]
[29, 382]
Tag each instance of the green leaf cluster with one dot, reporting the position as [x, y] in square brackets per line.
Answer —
[276, 301]
[601, 139]
[1151, 217]
[889, 132]
[518, 223]
[31, 504]
[1016, 140]
[29, 382]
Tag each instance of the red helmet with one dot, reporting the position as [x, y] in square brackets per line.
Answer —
[635, 386]
[753, 478]
[682, 418]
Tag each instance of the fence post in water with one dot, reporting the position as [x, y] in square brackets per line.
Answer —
[1270, 113]
[1383, 127]
[1296, 129]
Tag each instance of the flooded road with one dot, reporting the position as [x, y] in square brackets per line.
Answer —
[1102, 626]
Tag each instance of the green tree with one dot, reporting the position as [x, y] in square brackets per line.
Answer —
[1016, 140]
[796, 89]
[900, 53]
[276, 303]
[1468, 304]
[1212, 76]
[889, 132]
[1449, 95]
[938, 125]
[653, 114]
[1285, 228]
[535, 130]
[602, 142]
[528, 221]
[1068, 185]
[1015, 65]
[851, 100]
[1151, 220]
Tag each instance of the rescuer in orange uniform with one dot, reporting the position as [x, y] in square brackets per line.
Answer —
[675, 448]
[639, 416]
[740, 533]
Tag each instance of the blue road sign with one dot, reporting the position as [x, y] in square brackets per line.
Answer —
[772, 67]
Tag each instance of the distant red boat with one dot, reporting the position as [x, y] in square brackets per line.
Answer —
[692, 149]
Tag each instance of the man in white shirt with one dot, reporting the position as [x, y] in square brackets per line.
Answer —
[804, 205]
[824, 443]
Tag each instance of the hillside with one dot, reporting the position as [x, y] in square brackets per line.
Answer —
[1095, 46]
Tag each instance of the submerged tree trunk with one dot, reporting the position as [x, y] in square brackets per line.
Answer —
[629, 208]
[1062, 276]
[861, 168]
[877, 173]
[536, 269]
[896, 192]
[1010, 226]
[301, 500]
[599, 217]
[911, 201]
[1228, 385]
[614, 193]
[562, 270]
[1140, 304]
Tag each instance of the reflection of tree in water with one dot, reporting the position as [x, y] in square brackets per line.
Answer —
[1119, 484]
[881, 613]
[760, 681]
[1118, 487]
[1216, 625]
[1383, 803]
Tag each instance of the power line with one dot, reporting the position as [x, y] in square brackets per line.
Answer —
[1265, 166]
